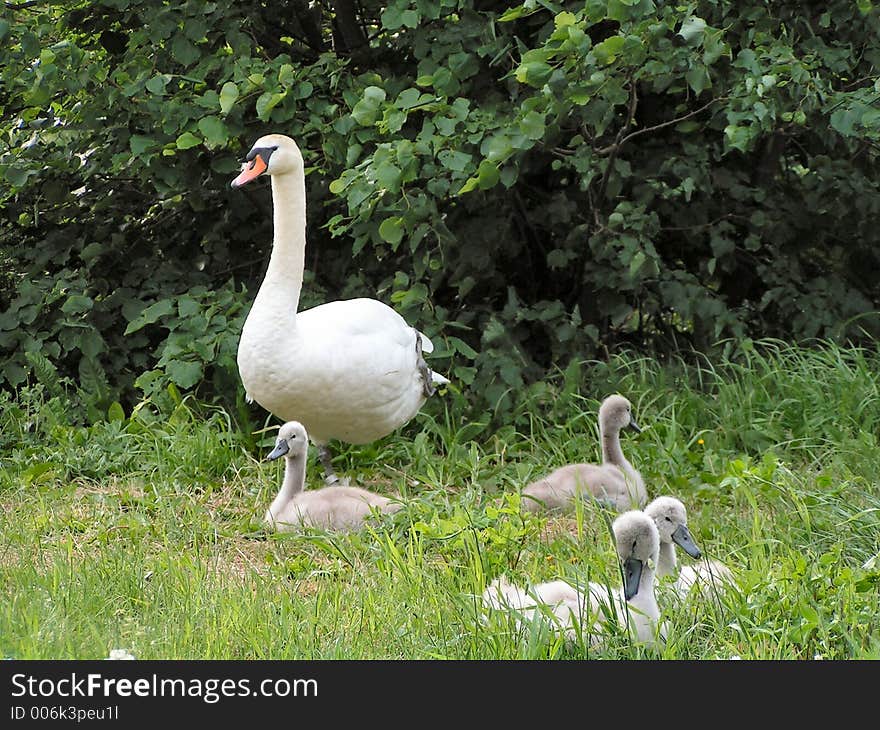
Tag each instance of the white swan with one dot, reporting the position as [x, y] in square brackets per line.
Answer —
[350, 369]
[329, 508]
[670, 516]
[615, 482]
[638, 544]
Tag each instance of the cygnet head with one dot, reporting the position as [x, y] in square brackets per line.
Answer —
[292, 441]
[638, 546]
[272, 154]
[670, 516]
[615, 414]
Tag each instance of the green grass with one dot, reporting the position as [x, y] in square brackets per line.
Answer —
[143, 533]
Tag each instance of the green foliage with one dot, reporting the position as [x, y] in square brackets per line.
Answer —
[141, 531]
[529, 185]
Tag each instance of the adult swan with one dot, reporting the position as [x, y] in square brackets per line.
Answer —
[351, 369]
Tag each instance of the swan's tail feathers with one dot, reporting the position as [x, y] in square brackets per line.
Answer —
[426, 344]
[430, 378]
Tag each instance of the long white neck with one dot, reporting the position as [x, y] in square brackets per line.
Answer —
[278, 296]
[294, 480]
[611, 451]
[667, 562]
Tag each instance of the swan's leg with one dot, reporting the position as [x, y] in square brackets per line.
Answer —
[330, 477]
[423, 367]
[325, 457]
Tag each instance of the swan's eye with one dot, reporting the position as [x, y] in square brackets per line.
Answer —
[668, 518]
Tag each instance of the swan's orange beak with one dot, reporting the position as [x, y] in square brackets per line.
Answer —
[250, 170]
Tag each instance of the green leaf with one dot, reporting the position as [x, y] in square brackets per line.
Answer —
[91, 344]
[626, 10]
[408, 98]
[521, 11]
[608, 50]
[17, 177]
[713, 48]
[302, 90]
[228, 96]
[150, 314]
[454, 160]
[187, 307]
[77, 304]
[487, 175]
[636, 263]
[410, 18]
[366, 111]
[845, 120]
[14, 373]
[214, 130]
[140, 144]
[445, 126]
[392, 120]
[391, 18]
[183, 50]
[391, 230]
[187, 140]
[564, 18]
[388, 176]
[286, 75]
[532, 125]
[698, 78]
[184, 373]
[738, 137]
[462, 347]
[156, 85]
[267, 101]
[115, 412]
[470, 184]
[534, 73]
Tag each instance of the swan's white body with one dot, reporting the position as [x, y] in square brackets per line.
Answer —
[347, 370]
[350, 369]
[569, 609]
[328, 508]
[710, 575]
[670, 516]
[615, 482]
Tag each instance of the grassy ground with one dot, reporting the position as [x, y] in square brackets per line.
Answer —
[142, 532]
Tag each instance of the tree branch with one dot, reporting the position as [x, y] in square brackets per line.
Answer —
[618, 143]
[348, 25]
[310, 25]
[709, 224]
[620, 139]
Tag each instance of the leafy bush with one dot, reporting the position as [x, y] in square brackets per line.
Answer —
[528, 183]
